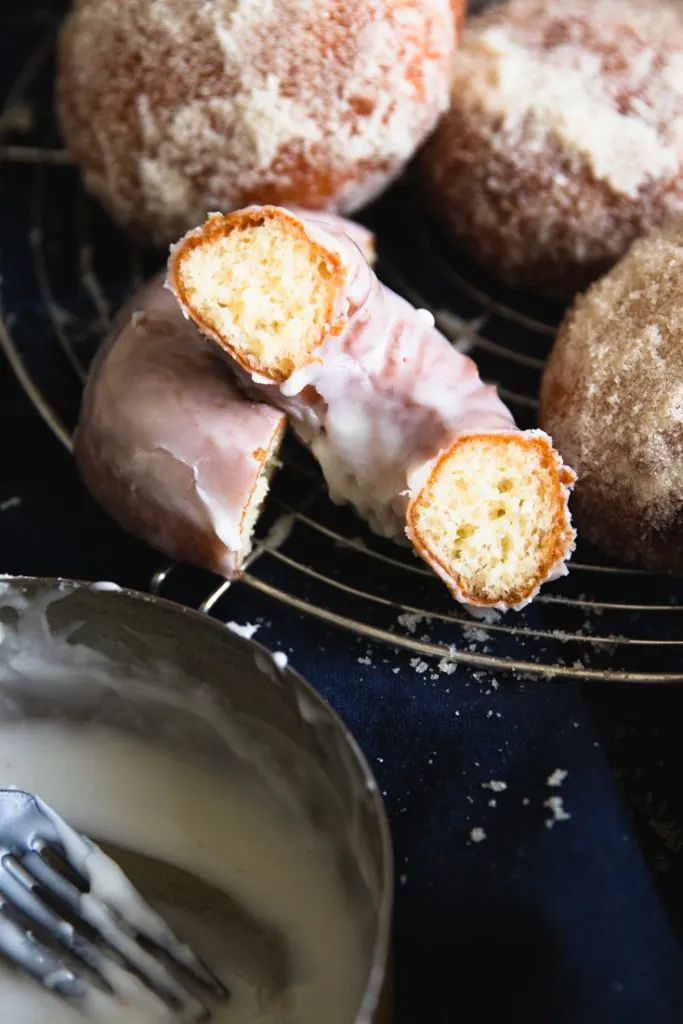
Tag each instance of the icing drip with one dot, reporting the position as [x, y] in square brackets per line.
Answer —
[393, 393]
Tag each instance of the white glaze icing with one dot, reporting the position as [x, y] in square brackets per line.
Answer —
[167, 443]
[391, 395]
[112, 786]
[358, 233]
[280, 659]
[244, 629]
[219, 825]
[394, 394]
[115, 910]
[382, 398]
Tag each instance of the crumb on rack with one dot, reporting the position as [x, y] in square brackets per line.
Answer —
[557, 777]
[477, 835]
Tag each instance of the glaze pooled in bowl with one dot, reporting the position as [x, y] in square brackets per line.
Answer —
[223, 813]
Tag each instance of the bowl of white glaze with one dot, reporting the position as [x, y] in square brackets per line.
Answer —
[229, 791]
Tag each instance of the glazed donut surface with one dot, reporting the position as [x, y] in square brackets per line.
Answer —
[166, 442]
[399, 420]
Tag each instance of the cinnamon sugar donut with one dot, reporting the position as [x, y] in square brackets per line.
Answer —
[174, 108]
[612, 398]
[564, 141]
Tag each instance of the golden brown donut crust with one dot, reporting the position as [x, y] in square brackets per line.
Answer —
[180, 108]
[219, 226]
[563, 142]
[612, 399]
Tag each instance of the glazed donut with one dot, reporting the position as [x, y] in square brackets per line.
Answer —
[564, 141]
[399, 421]
[174, 109]
[612, 397]
[361, 236]
[168, 445]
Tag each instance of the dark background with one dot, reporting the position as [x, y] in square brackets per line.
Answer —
[580, 922]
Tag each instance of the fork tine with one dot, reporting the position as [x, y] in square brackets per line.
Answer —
[129, 991]
[110, 905]
[17, 885]
[146, 922]
[22, 948]
[116, 933]
[52, 880]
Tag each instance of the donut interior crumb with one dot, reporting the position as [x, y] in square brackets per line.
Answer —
[261, 286]
[252, 511]
[489, 515]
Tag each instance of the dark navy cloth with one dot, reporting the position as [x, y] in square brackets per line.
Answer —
[538, 827]
[546, 924]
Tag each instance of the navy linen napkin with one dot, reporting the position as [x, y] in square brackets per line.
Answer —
[527, 886]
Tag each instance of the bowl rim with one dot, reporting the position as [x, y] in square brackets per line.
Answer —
[379, 963]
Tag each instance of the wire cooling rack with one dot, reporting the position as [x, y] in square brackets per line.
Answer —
[66, 269]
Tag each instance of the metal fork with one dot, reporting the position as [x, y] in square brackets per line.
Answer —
[87, 949]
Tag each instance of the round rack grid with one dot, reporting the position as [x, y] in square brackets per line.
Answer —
[604, 622]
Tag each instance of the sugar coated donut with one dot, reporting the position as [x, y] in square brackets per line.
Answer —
[612, 397]
[400, 422]
[174, 108]
[564, 141]
[168, 445]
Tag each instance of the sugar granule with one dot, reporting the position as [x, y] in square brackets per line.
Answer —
[495, 785]
[557, 777]
[411, 620]
[556, 806]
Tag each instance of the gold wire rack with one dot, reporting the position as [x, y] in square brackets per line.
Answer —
[605, 622]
